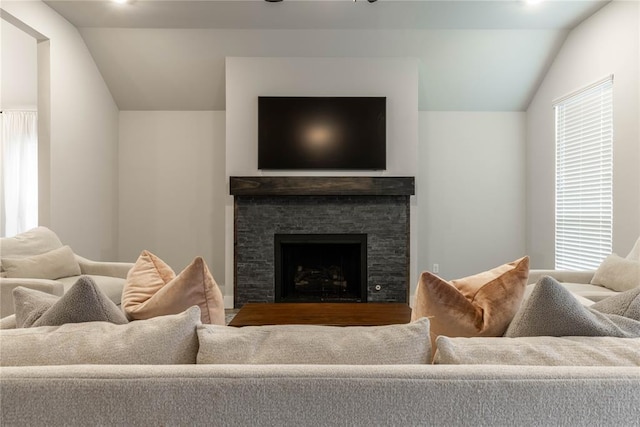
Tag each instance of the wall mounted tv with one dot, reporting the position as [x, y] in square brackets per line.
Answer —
[347, 133]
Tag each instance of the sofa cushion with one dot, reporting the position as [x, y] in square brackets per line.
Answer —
[153, 289]
[51, 265]
[163, 340]
[553, 311]
[312, 344]
[588, 291]
[33, 242]
[546, 351]
[479, 305]
[84, 302]
[617, 273]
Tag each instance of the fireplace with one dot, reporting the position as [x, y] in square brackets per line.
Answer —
[320, 267]
[374, 207]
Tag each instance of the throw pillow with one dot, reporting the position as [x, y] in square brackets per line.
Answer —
[84, 302]
[552, 310]
[312, 344]
[545, 351]
[479, 305]
[32, 242]
[617, 273]
[153, 289]
[634, 255]
[625, 304]
[51, 265]
[162, 340]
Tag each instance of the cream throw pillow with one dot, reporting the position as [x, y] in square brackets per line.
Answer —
[617, 273]
[51, 265]
[634, 255]
[153, 289]
[479, 305]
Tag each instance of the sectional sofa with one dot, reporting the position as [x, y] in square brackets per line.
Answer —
[174, 370]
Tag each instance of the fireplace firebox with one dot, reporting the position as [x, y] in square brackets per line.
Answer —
[320, 267]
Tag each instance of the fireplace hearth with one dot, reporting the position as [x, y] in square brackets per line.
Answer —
[320, 267]
[374, 208]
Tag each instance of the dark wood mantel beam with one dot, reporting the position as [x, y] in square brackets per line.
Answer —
[321, 186]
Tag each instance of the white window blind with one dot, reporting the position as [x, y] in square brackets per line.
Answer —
[584, 171]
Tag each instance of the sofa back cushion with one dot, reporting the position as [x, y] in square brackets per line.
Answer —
[33, 242]
[162, 340]
[312, 344]
[547, 351]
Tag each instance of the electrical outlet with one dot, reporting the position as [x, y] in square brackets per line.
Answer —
[436, 268]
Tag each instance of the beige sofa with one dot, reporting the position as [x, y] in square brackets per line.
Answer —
[614, 274]
[110, 276]
[577, 282]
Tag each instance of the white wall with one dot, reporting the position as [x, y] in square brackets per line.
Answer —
[172, 187]
[19, 69]
[606, 43]
[248, 78]
[470, 183]
[83, 140]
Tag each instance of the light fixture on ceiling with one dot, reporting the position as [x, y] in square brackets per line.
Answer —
[120, 1]
[533, 2]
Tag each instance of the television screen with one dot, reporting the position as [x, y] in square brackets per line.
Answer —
[322, 133]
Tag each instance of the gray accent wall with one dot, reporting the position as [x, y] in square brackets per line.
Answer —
[385, 220]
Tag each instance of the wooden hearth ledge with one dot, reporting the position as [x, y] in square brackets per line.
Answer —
[321, 186]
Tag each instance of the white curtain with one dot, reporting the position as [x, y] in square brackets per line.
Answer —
[19, 189]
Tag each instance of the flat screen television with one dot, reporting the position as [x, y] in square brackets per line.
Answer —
[347, 133]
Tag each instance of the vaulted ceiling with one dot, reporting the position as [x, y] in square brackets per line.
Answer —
[473, 55]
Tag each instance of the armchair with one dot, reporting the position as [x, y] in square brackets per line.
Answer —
[39, 242]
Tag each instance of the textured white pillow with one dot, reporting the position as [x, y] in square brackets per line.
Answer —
[32, 242]
[52, 265]
[547, 351]
[311, 344]
[617, 273]
[163, 340]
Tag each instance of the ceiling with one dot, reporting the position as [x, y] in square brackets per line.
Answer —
[473, 55]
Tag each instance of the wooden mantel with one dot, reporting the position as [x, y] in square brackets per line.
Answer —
[321, 186]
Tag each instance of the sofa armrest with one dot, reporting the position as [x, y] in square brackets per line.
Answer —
[583, 276]
[7, 285]
[100, 268]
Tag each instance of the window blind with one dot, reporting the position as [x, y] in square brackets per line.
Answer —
[584, 175]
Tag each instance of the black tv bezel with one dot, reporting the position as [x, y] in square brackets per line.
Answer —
[371, 167]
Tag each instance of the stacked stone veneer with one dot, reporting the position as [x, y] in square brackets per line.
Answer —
[385, 220]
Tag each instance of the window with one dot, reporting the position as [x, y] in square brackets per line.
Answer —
[584, 170]
[19, 191]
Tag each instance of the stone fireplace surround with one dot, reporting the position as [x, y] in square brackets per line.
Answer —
[376, 206]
